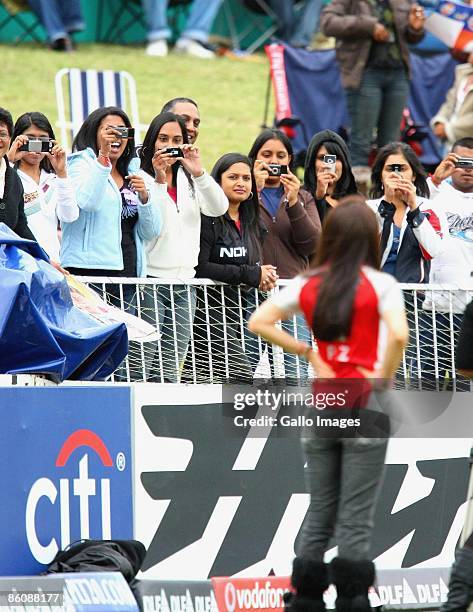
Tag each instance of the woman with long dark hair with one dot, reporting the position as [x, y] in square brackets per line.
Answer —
[172, 170]
[230, 252]
[412, 231]
[48, 192]
[117, 211]
[328, 183]
[287, 210]
[410, 225]
[346, 302]
[293, 223]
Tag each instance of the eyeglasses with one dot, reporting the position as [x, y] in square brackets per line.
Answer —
[4, 136]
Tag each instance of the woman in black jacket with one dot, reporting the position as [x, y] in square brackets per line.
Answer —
[327, 182]
[230, 252]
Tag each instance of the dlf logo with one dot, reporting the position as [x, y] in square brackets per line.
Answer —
[44, 490]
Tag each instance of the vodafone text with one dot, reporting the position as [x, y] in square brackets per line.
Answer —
[260, 597]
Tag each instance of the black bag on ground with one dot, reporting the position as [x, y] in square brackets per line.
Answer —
[125, 556]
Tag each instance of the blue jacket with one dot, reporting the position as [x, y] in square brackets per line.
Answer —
[94, 239]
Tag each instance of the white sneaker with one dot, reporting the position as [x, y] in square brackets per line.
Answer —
[194, 48]
[157, 48]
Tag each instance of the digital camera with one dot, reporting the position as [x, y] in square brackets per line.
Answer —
[330, 161]
[174, 151]
[124, 132]
[397, 168]
[37, 145]
[277, 169]
[464, 162]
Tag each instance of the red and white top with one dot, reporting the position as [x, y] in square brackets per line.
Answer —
[377, 292]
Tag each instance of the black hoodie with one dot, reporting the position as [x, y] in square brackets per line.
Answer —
[343, 188]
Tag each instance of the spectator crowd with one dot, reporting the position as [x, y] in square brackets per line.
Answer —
[114, 209]
[119, 209]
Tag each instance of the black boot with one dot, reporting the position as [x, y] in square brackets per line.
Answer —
[352, 579]
[460, 585]
[309, 580]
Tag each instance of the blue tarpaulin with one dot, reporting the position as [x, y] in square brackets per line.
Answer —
[41, 331]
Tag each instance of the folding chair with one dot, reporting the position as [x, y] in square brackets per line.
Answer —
[19, 13]
[263, 20]
[82, 91]
[126, 13]
[123, 15]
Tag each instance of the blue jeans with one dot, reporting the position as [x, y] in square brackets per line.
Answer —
[307, 24]
[59, 17]
[297, 30]
[172, 309]
[199, 23]
[376, 106]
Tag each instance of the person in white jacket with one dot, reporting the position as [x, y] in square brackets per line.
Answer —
[48, 192]
[412, 232]
[183, 191]
[411, 227]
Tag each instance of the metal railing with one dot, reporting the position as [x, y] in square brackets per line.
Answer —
[203, 335]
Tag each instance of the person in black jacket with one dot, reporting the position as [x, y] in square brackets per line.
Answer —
[328, 184]
[12, 211]
[230, 252]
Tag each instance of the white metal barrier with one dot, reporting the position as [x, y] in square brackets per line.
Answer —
[204, 336]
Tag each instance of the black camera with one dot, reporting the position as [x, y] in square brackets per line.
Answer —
[124, 132]
[37, 145]
[277, 169]
[464, 162]
[174, 151]
[331, 161]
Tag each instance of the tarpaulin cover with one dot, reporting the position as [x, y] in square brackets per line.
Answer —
[311, 82]
[41, 331]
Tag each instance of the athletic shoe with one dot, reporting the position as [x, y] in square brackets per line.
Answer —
[193, 48]
[157, 48]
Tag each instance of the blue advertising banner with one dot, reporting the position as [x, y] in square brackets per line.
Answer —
[66, 471]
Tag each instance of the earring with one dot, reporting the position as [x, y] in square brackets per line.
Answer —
[382, 187]
[251, 195]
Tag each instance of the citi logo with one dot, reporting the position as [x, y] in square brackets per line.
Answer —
[73, 493]
[233, 251]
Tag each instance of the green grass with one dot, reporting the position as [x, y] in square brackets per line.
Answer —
[230, 92]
